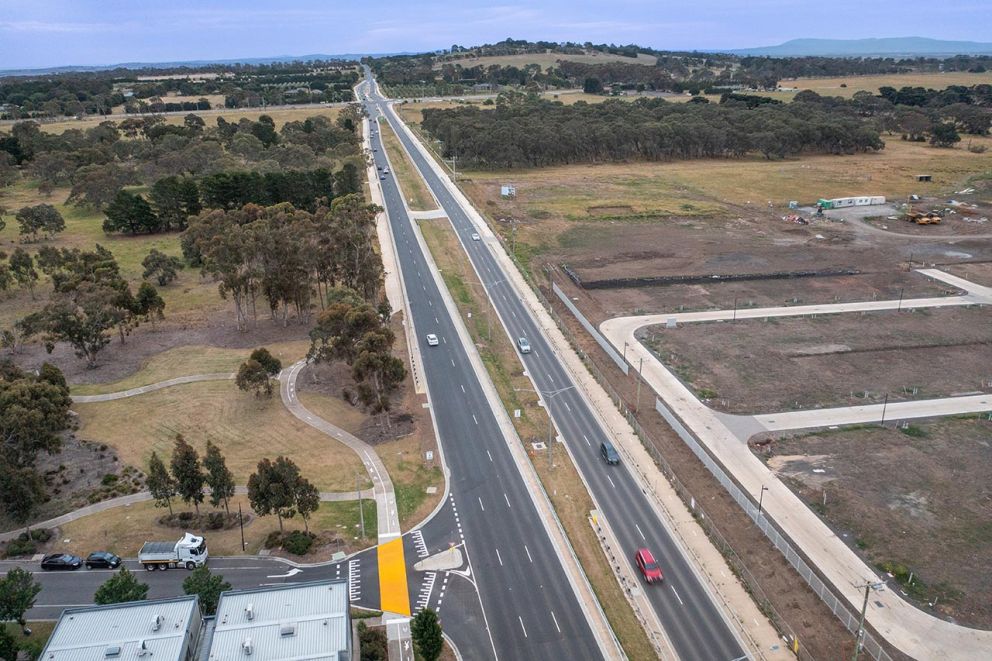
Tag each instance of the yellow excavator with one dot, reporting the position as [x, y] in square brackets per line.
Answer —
[921, 218]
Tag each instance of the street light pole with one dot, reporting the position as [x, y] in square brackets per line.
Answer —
[640, 367]
[241, 523]
[761, 498]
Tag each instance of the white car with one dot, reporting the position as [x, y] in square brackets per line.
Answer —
[432, 340]
[385, 170]
[524, 345]
[475, 237]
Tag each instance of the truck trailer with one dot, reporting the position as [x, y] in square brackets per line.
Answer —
[189, 552]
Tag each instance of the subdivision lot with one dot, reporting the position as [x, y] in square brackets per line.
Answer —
[888, 285]
[246, 430]
[830, 360]
[909, 500]
[980, 273]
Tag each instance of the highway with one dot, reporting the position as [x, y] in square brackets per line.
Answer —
[694, 624]
[527, 599]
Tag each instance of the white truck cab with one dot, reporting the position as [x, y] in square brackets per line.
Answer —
[189, 552]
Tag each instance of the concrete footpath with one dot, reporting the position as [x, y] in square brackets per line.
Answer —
[737, 603]
[912, 631]
[144, 496]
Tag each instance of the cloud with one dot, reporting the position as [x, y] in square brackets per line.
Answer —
[44, 26]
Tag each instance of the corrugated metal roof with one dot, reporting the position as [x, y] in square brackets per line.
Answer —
[88, 634]
[301, 621]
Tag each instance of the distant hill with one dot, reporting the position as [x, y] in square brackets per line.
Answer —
[889, 46]
[192, 63]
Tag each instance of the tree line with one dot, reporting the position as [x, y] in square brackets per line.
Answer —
[287, 256]
[68, 94]
[674, 71]
[97, 162]
[531, 132]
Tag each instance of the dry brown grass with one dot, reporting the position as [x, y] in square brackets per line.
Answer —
[562, 482]
[123, 530]
[412, 185]
[832, 86]
[245, 429]
[192, 359]
[279, 114]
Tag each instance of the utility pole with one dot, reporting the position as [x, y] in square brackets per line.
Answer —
[640, 377]
[900, 299]
[885, 403]
[361, 506]
[859, 641]
[551, 464]
[735, 309]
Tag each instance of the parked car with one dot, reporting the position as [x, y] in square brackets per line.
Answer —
[102, 560]
[432, 340]
[57, 561]
[523, 344]
[609, 453]
[475, 237]
[382, 177]
[385, 170]
[648, 566]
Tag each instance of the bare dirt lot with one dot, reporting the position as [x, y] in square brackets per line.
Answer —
[758, 293]
[978, 272]
[830, 360]
[935, 488]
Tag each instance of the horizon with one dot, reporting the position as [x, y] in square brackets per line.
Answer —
[53, 33]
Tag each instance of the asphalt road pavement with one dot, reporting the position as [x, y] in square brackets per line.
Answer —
[528, 603]
[685, 607]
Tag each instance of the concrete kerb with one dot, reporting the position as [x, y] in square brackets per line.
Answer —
[555, 532]
[413, 347]
[386, 514]
[904, 626]
[629, 441]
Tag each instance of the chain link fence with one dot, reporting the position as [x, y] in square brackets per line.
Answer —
[840, 609]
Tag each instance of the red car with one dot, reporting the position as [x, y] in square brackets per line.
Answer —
[648, 566]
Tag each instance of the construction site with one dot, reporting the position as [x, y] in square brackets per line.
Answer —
[710, 254]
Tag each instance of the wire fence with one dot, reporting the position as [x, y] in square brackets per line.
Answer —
[838, 607]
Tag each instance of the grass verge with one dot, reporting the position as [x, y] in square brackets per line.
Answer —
[557, 473]
[189, 360]
[41, 631]
[418, 198]
[123, 530]
[246, 430]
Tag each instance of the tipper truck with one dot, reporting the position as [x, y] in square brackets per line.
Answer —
[189, 552]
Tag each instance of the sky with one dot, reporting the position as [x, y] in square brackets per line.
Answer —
[43, 33]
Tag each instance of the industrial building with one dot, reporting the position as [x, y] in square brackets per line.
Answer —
[296, 621]
[163, 629]
[293, 621]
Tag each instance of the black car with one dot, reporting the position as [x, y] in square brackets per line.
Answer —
[102, 560]
[609, 453]
[61, 561]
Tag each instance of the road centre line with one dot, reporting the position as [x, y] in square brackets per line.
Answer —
[481, 505]
[498, 557]
[476, 419]
[555, 619]
[614, 486]
[507, 500]
[676, 593]
[528, 553]
[490, 456]
[586, 438]
[522, 626]
[641, 533]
